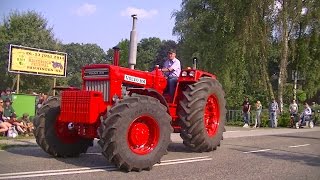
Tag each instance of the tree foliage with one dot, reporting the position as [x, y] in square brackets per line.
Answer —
[151, 51]
[26, 29]
[249, 43]
[31, 29]
[80, 55]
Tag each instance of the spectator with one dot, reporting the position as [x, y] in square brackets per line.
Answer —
[171, 70]
[4, 126]
[8, 110]
[273, 110]
[293, 110]
[316, 110]
[305, 116]
[26, 124]
[258, 115]
[10, 116]
[246, 106]
[7, 95]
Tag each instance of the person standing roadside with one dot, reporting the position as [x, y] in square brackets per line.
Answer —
[293, 110]
[273, 110]
[246, 106]
[258, 115]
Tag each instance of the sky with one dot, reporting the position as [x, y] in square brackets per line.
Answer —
[104, 22]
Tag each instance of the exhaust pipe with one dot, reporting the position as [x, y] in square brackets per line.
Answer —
[116, 56]
[133, 43]
[194, 63]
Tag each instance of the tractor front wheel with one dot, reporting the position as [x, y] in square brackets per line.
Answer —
[53, 137]
[136, 133]
[202, 115]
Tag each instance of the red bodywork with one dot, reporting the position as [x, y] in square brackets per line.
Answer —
[104, 84]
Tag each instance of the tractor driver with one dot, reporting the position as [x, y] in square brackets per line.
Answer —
[171, 69]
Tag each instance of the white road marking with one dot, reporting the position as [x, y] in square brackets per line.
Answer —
[261, 150]
[180, 162]
[58, 170]
[232, 131]
[185, 159]
[299, 145]
[92, 169]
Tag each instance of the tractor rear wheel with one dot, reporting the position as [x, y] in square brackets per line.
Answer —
[53, 137]
[202, 115]
[135, 133]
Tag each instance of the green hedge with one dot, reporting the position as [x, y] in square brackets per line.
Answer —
[283, 120]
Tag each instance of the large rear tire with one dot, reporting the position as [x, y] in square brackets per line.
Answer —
[52, 137]
[202, 115]
[135, 133]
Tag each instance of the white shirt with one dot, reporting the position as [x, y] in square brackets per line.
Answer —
[175, 65]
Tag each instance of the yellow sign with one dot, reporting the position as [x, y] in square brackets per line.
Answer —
[37, 61]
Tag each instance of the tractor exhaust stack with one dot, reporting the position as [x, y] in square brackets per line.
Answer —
[116, 56]
[133, 44]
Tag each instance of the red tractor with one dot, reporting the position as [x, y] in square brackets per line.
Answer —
[127, 110]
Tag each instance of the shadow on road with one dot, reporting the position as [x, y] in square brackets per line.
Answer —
[294, 136]
[93, 158]
[297, 157]
[179, 147]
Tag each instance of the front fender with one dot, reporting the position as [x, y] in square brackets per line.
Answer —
[149, 92]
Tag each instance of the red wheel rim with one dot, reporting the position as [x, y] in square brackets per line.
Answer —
[212, 115]
[143, 135]
[63, 133]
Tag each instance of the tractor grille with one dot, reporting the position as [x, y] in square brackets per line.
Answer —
[101, 86]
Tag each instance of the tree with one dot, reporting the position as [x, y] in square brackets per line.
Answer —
[80, 55]
[151, 52]
[147, 52]
[246, 43]
[27, 29]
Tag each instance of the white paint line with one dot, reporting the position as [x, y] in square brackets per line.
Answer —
[57, 170]
[261, 150]
[92, 169]
[180, 162]
[299, 145]
[58, 173]
[185, 159]
[232, 131]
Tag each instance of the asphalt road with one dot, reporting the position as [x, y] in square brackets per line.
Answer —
[244, 154]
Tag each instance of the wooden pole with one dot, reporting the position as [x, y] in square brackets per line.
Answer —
[54, 85]
[18, 82]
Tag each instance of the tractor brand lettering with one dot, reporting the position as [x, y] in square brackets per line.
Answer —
[96, 72]
[135, 79]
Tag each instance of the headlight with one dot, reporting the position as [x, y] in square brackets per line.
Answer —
[191, 73]
[184, 73]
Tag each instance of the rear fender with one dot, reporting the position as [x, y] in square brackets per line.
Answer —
[149, 92]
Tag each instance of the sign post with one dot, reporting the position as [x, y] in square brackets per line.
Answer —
[18, 82]
[54, 85]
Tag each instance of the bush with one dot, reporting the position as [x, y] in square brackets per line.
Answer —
[301, 95]
[284, 119]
